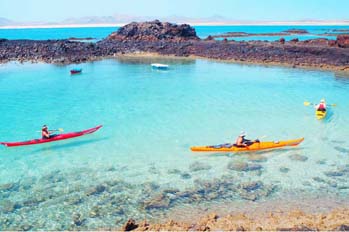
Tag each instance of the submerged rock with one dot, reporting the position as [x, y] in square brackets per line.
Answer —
[77, 219]
[185, 175]
[8, 206]
[284, 169]
[257, 158]
[159, 201]
[322, 162]
[298, 157]
[341, 149]
[26, 227]
[96, 190]
[251, 186]
[9, 187]
[95, 211]
[150, 187]
[242, 166]
[333, 173]
[198, 166]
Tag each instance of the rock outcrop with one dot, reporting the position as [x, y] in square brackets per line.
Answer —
[181, 40]
[154, 31]
[297, 31]
[343, 41]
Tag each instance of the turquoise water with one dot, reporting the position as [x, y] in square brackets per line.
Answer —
[315, 31]
[139, 164]
[202, 31]
[57, 33]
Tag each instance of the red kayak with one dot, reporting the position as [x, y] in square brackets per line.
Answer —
[53, 138]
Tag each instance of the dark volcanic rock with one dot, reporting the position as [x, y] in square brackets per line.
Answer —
[343, 41]
[297, 31]
[342, 227]
[130, 225]
[179, 40]
[154, 31]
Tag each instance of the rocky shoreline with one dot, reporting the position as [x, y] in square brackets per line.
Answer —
[181, 41]
[296, 220]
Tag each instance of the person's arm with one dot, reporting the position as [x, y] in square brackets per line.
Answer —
[46, 134]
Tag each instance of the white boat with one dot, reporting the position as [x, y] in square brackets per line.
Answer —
[159, 66]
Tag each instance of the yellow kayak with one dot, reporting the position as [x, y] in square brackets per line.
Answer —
[256, 146]
[320, 114]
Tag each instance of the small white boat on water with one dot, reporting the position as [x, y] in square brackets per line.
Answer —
[159, 66]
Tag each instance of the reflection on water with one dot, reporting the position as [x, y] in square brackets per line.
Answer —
[154, 59]
[342, 77]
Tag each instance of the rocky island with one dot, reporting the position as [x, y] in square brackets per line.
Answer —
[169, 39]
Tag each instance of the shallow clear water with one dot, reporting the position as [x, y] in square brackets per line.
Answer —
[150, 119]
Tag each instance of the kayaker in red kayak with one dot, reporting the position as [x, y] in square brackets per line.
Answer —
[321, 106]
[45, 132]
[242, 142]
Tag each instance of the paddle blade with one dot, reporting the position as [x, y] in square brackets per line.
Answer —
[60, 129]
[333, 104]
[307, 103]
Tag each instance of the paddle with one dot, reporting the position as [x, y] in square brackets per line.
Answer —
[309, 103]
[59, 129]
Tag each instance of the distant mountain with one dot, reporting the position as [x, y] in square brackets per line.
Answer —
[6, 22]
[124, 19]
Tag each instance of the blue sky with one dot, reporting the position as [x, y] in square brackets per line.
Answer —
[255, 10]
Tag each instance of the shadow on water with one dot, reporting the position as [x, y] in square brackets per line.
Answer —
[67, 145]
[329, 115]
[270, 151]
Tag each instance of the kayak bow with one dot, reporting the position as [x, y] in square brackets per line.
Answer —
[53, 138]
[229, 147]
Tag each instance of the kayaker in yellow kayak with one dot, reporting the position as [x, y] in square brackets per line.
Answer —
[242, 142]
[45, 132]
[321, 106]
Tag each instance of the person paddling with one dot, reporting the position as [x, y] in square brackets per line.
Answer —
[45, 132]
[321, 106]
[242, 142]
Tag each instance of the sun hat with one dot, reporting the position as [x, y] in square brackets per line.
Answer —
[242, 133]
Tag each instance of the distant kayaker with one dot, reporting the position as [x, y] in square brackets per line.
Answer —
[321, 106]
[242, 142]
[45, 132]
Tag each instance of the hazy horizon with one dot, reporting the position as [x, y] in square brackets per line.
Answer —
[117, 11]
[115, 20]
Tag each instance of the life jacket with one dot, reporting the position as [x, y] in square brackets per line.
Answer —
[43, 132]
[321, 106]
